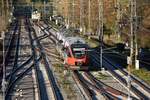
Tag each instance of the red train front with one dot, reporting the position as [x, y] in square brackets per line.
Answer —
[76, 55]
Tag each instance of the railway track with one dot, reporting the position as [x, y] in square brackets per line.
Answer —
[14, 41]
[85, 88]
[142, 84]
[136, 80]
[76, 77]
[11, 42]
[55, 59]
[137, 86]
[47, 66]
[133, 78]
[111, 68]
[86, 92]
[116, 94]
[119, 77]
[18, 71]
[93, 87]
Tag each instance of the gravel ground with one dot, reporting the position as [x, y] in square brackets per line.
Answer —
[23, 89]
[105, 77]
[64, 78]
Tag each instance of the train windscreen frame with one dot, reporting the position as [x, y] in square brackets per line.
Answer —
[78, 50]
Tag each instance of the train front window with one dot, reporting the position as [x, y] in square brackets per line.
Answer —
[78, 52]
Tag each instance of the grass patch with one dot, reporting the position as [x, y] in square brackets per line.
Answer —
[143, 74]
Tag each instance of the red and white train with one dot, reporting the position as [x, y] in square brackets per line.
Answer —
[72, 48]
[74, 52]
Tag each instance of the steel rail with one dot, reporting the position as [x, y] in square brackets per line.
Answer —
[101, 90]
[122, 80]
[56, 91]
[24, 64]
[15, 60]
[75, 78]
[11, 41]
[87, 93]
[81, 82]
[10, 87]
[108, 96]
[12, 31]
[10, 76]
[48, 30]
[134, 89]
[143, 85]
[36, 66]
[146, 88]
[126, 83]
[118, 94]
[16, 53]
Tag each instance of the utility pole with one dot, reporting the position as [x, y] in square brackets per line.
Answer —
[133, 42]
[68, 14]
[73, 13]
[82, 27]
[81, 16]
[51, 7]
[101, 18]
[133, 25]
[135, 33]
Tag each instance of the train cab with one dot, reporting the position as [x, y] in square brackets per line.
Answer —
[76, 55]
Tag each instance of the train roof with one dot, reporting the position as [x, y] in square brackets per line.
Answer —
[75, 40]
[80, 45]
